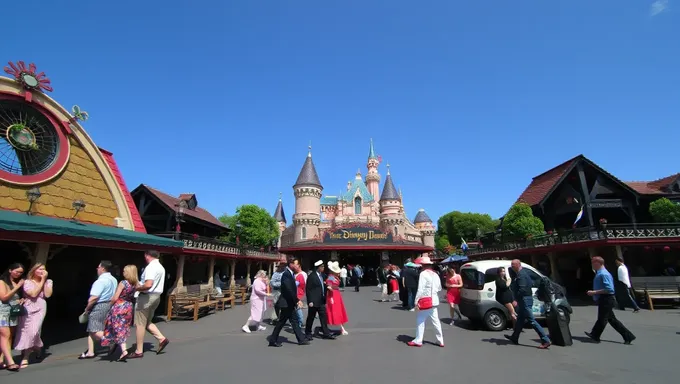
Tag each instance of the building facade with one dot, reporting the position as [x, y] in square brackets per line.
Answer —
[360, 224]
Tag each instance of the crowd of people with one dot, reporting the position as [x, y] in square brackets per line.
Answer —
[111, 311]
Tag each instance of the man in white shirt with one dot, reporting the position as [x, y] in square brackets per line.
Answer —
[343, 278]
[150, 290]
[624, 280]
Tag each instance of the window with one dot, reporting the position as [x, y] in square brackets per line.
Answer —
[490, 275]
[357, 205]
[303, 233]
[472, 278]
[396, 231]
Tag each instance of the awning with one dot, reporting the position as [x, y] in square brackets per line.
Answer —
[18, 226]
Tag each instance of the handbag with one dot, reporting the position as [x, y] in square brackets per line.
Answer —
[83, 318]
[426, 302]
[16, 311]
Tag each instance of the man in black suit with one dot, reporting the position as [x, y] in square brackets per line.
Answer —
[316, 302]
[289, 303]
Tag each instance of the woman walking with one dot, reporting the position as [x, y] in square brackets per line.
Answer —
[11, 292]
[427, 300]
[503, 293]
[37, 288]
[121, 315]
[335, 306]
[258, 302]
[453, 284]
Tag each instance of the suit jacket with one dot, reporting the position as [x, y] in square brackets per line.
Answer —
[316, 290]
[288, 298]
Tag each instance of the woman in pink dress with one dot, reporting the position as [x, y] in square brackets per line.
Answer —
[335, 306]
[258, 302]
[37, 288]
[453, 284]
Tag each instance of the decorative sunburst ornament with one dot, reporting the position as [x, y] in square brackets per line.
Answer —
[20, 136]
[27, 76]
[78, 114]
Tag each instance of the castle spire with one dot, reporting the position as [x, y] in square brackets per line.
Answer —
[308, 175]
[389, 191]
[371, 152]
[279, 215]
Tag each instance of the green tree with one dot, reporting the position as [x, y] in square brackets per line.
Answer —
[456, 225]
[664, 211]
[520, 222]
[253, 225]
[441, 242]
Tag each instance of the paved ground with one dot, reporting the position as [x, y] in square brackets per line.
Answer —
[214, 348]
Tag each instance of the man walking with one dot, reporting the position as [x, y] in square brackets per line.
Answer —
[409, 277]
[150, 290]
[624, 283]
[275, 284]
[603, 294]
[316, 302]
[98, 306]
[523, 294]
[289, 303]
[343, 278]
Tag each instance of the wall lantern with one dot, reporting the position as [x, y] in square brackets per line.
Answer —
[78, 205]
[32, 195]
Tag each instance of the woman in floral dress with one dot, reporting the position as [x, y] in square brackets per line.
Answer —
[120, 316]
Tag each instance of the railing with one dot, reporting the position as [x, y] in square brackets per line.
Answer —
[603, 232]
[214, 245]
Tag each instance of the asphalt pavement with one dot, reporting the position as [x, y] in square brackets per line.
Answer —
[374, 352]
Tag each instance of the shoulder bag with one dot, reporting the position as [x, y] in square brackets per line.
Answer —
[426, 302]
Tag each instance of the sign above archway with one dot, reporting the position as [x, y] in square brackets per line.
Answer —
[357, 234]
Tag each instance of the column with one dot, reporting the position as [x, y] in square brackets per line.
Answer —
[232, 277]
[554, 267]
[248, 264]
[619, 252]
[179, 281]
[211, 271]
[41, 253]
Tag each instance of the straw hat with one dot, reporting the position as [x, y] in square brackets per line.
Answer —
[334, 266]
[424, 260]
[318, 263]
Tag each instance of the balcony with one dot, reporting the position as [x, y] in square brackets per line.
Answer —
[210, 245]
[612, 233]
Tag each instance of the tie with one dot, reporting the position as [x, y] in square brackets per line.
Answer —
[323, 290]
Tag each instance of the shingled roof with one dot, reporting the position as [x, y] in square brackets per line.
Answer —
[389, 192]
[171, 202]
[279, 215]
[308, 175]
[422, 217]
[656, 187]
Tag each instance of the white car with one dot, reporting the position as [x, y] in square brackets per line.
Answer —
[478, 295]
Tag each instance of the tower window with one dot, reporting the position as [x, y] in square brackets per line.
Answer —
[357, 205]
[303, 233]
[396, 231]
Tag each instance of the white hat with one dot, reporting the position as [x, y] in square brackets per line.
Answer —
[334, 266]
[318, 263]
[424, 260]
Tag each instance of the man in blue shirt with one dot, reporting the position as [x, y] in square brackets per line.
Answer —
[522, 291]
[275, 284]
[603, 294]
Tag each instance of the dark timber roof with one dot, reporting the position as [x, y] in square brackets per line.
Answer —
[279, 215]
[422, 217]
[308, 175]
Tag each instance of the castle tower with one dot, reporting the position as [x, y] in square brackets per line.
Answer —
[390, 202]
[280, 217]
[373, 177]
[424, 224]
[307, 191]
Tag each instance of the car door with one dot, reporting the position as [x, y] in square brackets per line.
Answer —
[538, 307]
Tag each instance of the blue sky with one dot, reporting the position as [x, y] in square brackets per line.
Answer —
[467, 100]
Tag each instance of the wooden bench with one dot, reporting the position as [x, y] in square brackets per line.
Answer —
[240, 294]
[227, 297]
[661, 288]
[192, 303]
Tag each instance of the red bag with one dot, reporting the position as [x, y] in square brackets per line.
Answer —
[425, 303]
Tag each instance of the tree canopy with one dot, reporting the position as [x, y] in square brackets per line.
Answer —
[456, 225]
[664, 211]
[253, 225]
[520, 222]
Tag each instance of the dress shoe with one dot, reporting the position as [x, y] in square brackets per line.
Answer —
[630, 340]
[329, 337]
[309, 337]
[305, 342]
[275, 344]
[514, 341]
[593, 338]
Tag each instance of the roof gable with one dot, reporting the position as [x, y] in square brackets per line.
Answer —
[137, 222]
[170, 202]
[663, 186]
[359, 187]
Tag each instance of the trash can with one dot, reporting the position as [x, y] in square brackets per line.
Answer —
[558, 326]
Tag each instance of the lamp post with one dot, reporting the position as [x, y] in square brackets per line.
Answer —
[179, 215]
[32, 195]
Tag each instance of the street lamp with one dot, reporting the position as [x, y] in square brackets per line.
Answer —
[179, 215]
[32, 195]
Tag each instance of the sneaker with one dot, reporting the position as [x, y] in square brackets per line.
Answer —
[441, 345]
[636, 310]
[246, 329]
[412, 310]
[261, 328]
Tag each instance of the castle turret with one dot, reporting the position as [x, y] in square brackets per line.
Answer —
[307, 191]
[390, 202]
[373, 177]
[424, 224]
[280, 217]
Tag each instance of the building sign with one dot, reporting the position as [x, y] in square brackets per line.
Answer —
[606, 203]
[357, 235]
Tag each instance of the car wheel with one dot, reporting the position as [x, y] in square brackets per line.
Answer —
[566, 314]
[495, 320]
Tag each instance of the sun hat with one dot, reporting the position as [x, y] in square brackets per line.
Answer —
[334, 266]
[424, 260]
